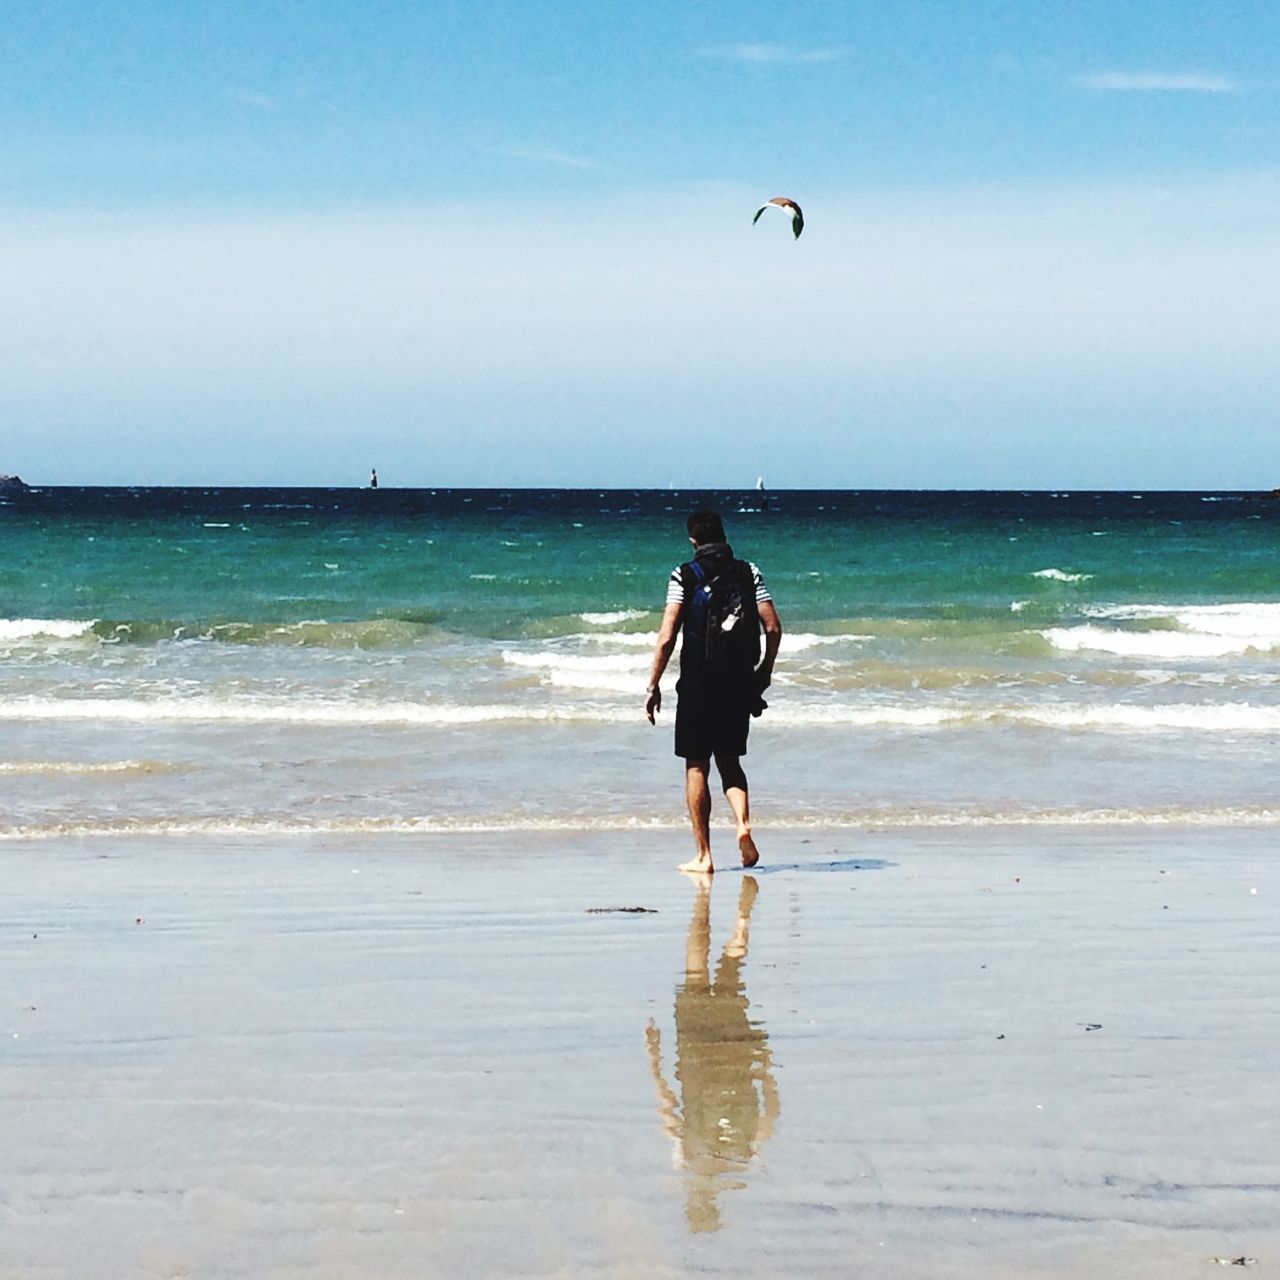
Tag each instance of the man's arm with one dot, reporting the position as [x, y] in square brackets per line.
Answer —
[668, 1103]
[772, 625]
[667, 633]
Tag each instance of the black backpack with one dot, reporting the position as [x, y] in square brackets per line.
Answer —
[722, 625]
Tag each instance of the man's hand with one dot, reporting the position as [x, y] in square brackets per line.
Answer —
[763, 678]
[652, 702]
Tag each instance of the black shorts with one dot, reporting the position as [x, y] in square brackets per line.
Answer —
[711, 722]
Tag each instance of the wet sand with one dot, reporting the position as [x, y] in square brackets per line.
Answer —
[993, 1053]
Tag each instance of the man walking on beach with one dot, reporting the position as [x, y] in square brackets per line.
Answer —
[721, 603]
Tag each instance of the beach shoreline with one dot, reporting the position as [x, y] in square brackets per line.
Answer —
[990, 1052]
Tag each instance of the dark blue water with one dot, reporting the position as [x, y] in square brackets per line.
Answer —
[506, 560]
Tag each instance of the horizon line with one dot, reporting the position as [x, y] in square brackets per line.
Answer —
[1064, 491]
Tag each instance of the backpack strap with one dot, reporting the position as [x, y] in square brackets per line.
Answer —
[695, 582]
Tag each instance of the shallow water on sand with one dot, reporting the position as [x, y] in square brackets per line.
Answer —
[963, 1054]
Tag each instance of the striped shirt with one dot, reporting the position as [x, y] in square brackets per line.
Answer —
[676, 591]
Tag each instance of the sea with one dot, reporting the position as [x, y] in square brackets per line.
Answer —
[264, 663]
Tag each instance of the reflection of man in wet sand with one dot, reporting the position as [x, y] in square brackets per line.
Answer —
[728, 1097]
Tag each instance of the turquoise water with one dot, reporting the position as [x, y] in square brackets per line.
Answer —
[278, 660]
[503, 562]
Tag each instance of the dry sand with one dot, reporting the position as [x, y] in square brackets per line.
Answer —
[431, 1058]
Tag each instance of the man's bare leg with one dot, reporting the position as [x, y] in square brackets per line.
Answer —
[734, 780]
[697, 951]
[698, 796]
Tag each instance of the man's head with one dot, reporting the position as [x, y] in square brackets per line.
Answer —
[704, 527]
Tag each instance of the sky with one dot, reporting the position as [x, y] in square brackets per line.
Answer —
[498, 243]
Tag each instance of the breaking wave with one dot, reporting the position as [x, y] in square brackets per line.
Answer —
[611, 619]
[18, 629]
[1171, 632]
[371, 633]
[1061, 575]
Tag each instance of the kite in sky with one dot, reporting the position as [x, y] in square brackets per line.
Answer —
[787, 206]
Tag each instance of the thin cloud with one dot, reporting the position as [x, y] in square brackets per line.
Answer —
[251, 98]
[560, 159]
[1157, 82]
[772, 54]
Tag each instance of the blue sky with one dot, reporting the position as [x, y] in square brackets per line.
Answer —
[512, 243]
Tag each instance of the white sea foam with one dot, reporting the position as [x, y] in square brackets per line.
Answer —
[601, 673]
[1160, 675]
[871, 819]
[298, 826]
[611, 619]
[1061, 575]
[847, 716]
[1169, 645]
[1189, 631]
[210, 710]
[1104, 718]
[622, 673]
[801, 641]
[1231, 717]
[1245, 618]
[619, 639]
[792, 642]
[32, 628]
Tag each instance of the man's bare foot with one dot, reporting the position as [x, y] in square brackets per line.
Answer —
[747, 847]
[700, 866]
